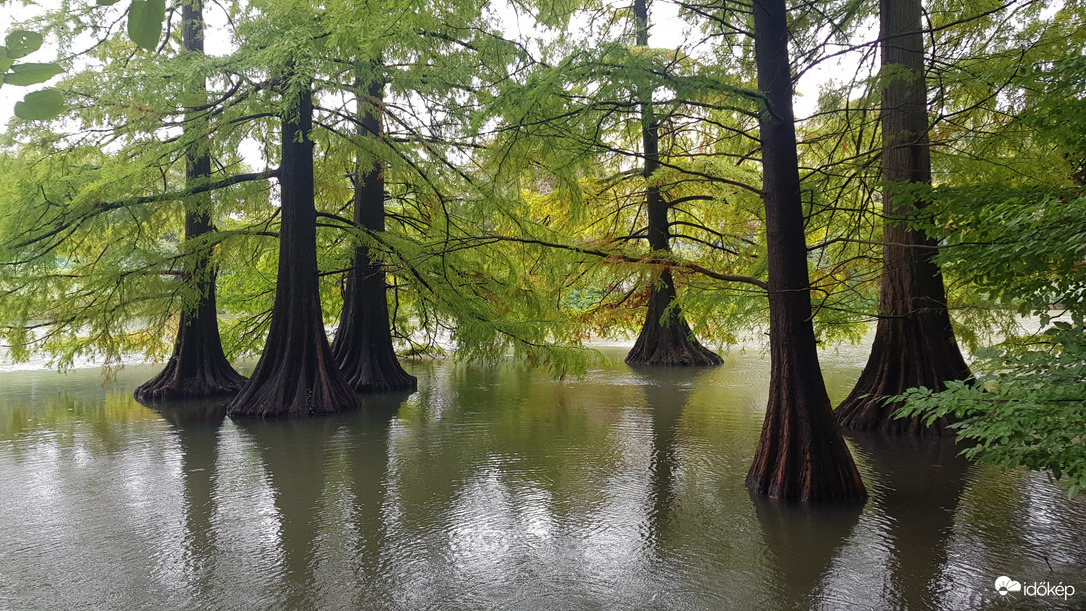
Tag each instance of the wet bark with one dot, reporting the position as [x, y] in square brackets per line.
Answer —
[296, 375]
[363, 343]
[665, 338]
[198, 367]
[801, 454]
[914, 342]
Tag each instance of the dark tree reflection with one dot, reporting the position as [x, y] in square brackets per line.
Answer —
[367, 457]
[802, 541]
[667, 391]
[196, 423]
[294, 454]
[921, 483]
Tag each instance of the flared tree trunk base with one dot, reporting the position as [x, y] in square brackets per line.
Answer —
[904, 355]
[670, 343]
[378, 375]
[363, 345]
[686, 352]
[211, 380]
[801, 455]
[198, 368]
[296, 382]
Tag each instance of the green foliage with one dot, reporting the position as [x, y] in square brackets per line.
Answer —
[40, 105]
[31, 74]
[145, 22]
[1027, 408]
[1024, 248]
[21, 43]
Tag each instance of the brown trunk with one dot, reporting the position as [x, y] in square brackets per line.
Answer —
[665, 337]
[198, 367]
[914, 342]
[363, 343]
[801, 454]
[296, 375]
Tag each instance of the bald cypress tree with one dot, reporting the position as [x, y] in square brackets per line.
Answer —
[297, 374]
[198, 367]
[914, 342]
[665, 338]
[801, 454]
[363, 342]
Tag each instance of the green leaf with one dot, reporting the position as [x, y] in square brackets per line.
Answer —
[40, 105]
[31, 74]
[22, 43]
[107, 2]
[145, 22]
[5, 61]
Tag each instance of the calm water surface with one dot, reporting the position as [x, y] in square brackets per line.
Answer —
[497, 489]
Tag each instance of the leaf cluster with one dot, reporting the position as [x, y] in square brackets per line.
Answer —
[1026, 407]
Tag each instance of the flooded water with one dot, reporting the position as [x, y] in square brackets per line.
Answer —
[498, 488]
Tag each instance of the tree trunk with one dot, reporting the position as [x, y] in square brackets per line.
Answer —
[296, 375]
[801, 454]
[914, 342]
[363, 343]
[198, 367]
[665, 337]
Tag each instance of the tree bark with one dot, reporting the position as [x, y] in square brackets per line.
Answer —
[296, 375]
[198, 367]
[363, 343]
[914, 342]
[665, 338]
[801, 454]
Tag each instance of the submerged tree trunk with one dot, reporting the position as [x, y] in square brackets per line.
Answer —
[665, 337]
[296, 375]
[801, 454]
[914, 342]
[363, 343]
[198, 367]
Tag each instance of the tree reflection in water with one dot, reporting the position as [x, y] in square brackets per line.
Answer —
[920, 485]
[494, 488]
[196, 424]
[313, 465]
[667, 391]
[802, 541]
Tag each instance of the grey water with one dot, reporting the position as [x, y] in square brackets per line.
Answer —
[499, 488]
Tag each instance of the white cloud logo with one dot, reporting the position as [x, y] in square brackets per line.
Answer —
[1005, 584]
